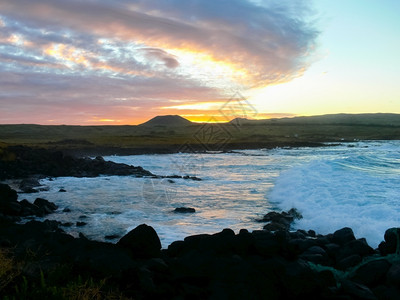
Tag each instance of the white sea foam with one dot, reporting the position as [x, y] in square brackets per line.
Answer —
[360, 189]
[333, 187]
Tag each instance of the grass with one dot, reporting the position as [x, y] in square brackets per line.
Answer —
[13, 285]
[329, 128]
[9, 270]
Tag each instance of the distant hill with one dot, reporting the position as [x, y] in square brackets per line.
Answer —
[374, 119]
[169, 120]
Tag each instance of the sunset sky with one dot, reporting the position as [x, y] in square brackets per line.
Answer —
[109, 62]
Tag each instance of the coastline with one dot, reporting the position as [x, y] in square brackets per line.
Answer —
[274, 262]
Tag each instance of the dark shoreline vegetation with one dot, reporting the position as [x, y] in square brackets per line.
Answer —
[38, 260]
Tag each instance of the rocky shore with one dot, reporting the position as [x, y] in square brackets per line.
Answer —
[273, 263]
[19, 162]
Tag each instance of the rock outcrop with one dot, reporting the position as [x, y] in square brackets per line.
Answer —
[262, 264]
[11, 208]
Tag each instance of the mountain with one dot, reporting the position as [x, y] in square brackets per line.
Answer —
[169, 120]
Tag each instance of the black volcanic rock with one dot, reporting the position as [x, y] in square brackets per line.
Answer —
[343, 236]
[280, 220]
[39, 163]
[7, 194]
[30, 162]
[9, 206]
[28, 185]
[248, 265]
[184, 210]
[142, 241]
[45, 203]
[391, 243]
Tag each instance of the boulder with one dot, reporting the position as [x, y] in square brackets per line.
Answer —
[390, 245]
[358, 247]
[184, 210]
[317, 255]
[28, 208]
[280, 220]
[372, 273]
[343, 236]
[12, 209]
[7, 194]
[393, 275]
[348, 262]
[142, 241]
[28, 185]
[111, 236]
[43, 203]
[357, 290]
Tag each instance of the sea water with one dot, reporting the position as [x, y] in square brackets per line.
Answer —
[351, 184]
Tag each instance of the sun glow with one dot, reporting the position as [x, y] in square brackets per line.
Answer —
[208, 68]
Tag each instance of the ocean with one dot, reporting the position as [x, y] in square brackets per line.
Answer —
[353, 185]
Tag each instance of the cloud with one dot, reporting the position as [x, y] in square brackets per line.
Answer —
[159, 54]
[192, 50]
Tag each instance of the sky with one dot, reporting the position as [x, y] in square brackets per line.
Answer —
[111, 62]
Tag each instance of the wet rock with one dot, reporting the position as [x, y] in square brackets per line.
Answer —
[142, 241]
[280, 220]
[191, 178]
[62, 190]
[43, 203]
[390, 245]
[66, 210]
[184, 210]
[112, 237]
[275, 226]
[28, 185]
[80, 224]
[42, 162]
[343, 236]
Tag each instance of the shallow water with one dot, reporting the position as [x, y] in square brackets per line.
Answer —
[332, 187]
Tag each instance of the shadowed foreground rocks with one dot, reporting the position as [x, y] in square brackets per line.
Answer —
[273, 263]
[261, 264]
